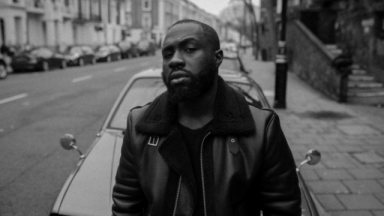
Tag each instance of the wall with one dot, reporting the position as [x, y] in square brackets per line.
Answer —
[310, 60]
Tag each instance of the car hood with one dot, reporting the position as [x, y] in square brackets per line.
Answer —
[88, 190]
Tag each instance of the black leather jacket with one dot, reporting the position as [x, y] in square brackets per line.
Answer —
[246, 163]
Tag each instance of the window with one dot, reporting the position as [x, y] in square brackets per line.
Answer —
[146, 21]
[146, 5]
[128, 6]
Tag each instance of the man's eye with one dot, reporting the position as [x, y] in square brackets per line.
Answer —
[167, 55]
[190, 49]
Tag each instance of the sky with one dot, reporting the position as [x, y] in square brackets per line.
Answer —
[211, 6]
[214, 6]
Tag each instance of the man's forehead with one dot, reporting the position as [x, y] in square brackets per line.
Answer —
[183, 30]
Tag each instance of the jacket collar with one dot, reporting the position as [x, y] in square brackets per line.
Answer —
[232, 114]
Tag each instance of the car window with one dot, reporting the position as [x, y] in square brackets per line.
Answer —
[141, 92]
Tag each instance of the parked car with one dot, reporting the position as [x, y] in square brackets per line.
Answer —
[88, 190]
[107, 53]
[40, 58]
[128, 49]
[80, 55]
[230, 50]
[5, 66]
[146, 47]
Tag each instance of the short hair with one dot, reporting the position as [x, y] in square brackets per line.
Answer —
[209, 33]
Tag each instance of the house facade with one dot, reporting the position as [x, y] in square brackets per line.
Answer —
[59, 23]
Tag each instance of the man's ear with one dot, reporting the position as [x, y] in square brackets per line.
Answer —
[219, 57]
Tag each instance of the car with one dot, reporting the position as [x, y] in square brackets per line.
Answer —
[88, 190]
[230, 49]
[39, 58]
[146, 47]
[107, 53]
[5, 66]
[128, 49]
[80, 55]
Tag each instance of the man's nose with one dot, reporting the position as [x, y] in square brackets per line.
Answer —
[177, 61]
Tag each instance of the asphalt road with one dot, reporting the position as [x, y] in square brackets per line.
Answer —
[36, 109]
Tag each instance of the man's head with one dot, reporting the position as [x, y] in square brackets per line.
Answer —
[191, 58]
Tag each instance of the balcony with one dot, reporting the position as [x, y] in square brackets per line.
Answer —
[35, 6]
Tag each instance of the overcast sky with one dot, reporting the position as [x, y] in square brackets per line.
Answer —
[214, 6]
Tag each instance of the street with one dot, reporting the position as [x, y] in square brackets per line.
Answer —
[36, 109]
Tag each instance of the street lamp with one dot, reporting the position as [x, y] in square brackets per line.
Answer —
[281, 62]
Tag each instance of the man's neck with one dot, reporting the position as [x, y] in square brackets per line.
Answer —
[197, 113]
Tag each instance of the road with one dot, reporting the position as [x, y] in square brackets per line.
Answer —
[36, 109]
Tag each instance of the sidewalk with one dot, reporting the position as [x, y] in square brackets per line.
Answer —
[349, 180]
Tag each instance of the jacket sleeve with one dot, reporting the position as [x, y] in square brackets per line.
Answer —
[279, 188]
[128, 197]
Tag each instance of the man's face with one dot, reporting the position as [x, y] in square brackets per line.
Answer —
[189, 64]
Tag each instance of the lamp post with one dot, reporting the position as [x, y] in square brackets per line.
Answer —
[281, 62]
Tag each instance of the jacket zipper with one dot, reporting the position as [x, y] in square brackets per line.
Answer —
[202, 173]
[177, 197]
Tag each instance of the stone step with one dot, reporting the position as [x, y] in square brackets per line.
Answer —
[364, 84]
[358, 71]
[366, 100]
[361, 77]
[365, 92]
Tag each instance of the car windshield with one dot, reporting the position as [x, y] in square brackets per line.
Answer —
[103, 49]
[74, 50]
[251, 94]
[141, 92]
[144, 90]
[40, 52]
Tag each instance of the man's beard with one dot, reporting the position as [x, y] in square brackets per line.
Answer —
[199, 84]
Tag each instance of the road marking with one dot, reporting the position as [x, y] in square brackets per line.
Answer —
[269, 93]
[13, 98]
[81, 79]
[120, 69]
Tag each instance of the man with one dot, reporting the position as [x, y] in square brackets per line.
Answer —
[200, 148]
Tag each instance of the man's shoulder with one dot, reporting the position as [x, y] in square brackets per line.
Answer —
[261, 113]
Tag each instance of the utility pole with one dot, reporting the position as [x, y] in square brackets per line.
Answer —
[281, 61]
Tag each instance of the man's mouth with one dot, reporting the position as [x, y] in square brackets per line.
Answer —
[178, 77]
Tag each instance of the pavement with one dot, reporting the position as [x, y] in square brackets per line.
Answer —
[349, 180]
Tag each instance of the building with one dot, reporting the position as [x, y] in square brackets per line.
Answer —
[58, 23]
[151, 19]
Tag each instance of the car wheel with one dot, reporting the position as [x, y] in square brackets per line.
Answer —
[3, 71]
[63, 64]
[81, 62]
[45, 66]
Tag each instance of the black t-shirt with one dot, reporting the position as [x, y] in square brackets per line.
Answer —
[193, 139]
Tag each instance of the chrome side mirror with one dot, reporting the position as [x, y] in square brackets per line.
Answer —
[68, 142]
[312, 158]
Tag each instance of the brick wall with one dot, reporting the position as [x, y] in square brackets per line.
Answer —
[310, 60]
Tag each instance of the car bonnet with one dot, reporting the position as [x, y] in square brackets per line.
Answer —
[89, 192]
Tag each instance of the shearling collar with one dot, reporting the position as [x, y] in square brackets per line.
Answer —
[232, 114]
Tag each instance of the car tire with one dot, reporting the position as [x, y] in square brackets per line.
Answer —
[3, 71]
[45, 66]
[81, 62]
[63, 64]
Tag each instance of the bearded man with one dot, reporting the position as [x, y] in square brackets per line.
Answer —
[200, 148]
